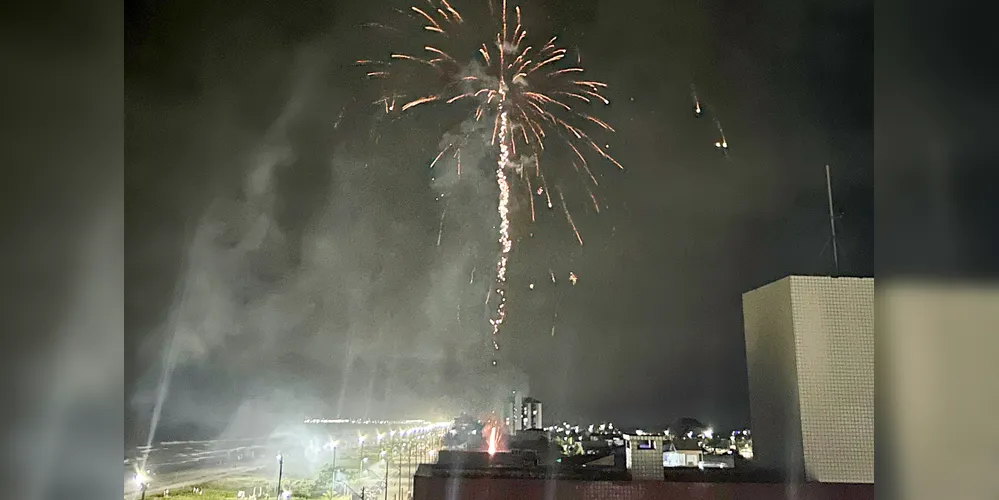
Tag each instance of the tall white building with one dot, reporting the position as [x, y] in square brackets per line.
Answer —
[511, 413]
[530, 414]
[810, 357]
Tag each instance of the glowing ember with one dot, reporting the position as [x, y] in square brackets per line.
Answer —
[492, 442]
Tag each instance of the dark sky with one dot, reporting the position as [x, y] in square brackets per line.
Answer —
[283, 240]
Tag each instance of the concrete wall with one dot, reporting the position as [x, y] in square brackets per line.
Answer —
[773, 378]
[439, 488]
[834, 346]
[644, 464]
[810, 357]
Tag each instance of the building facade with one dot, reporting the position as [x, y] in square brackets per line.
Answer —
[683, 452]
[643, 455]
[448, 483]
[530, 414]
[512, 417]
[810, 358]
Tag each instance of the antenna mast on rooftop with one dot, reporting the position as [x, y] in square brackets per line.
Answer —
[832, 220]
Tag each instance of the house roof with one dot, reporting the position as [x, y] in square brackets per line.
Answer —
[685, 444]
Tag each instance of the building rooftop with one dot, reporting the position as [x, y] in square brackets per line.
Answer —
[524, 465]
[539, 472]
[685, 444]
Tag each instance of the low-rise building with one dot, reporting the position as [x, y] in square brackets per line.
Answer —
[644, 455]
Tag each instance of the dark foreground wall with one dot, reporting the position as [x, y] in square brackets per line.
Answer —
[440, 488]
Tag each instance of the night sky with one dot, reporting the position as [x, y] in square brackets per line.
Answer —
[282, 238]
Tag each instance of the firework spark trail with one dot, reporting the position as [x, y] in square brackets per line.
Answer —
[440, 228]
[697, 101]
[558, 301]
[569, 217]
[596, 206]
[547, 195]
[439, 156]
[721, 133]
[520, 86]
[530, 197]
[504, 229]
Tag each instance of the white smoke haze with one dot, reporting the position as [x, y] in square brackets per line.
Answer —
[351, 312]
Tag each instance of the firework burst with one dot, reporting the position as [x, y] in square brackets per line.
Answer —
[533, 97]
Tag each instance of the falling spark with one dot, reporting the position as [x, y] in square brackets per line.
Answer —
[547, 194]
[439, 156]
[697, 101]
[573, 278]
[440, 228]
[531, 197]
[596, 205]
[419, 101]
[721, 144]
[568, 216]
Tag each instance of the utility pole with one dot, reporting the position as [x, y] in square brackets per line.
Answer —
[334, 468]
[280, 460]
[832, 220]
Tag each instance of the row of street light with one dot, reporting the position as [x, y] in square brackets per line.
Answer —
[424, 444]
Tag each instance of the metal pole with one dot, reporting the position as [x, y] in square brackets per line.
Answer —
[832, 220]
[386, 477]
[333, 486]
[399, 495]
[362, 492]
[143, 486]
[280, 472]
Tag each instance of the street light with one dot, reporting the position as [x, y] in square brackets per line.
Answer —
[334, 444]
[280, 460]
[360, 442]
[143, 481]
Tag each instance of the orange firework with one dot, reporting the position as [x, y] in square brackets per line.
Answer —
[520, 86]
